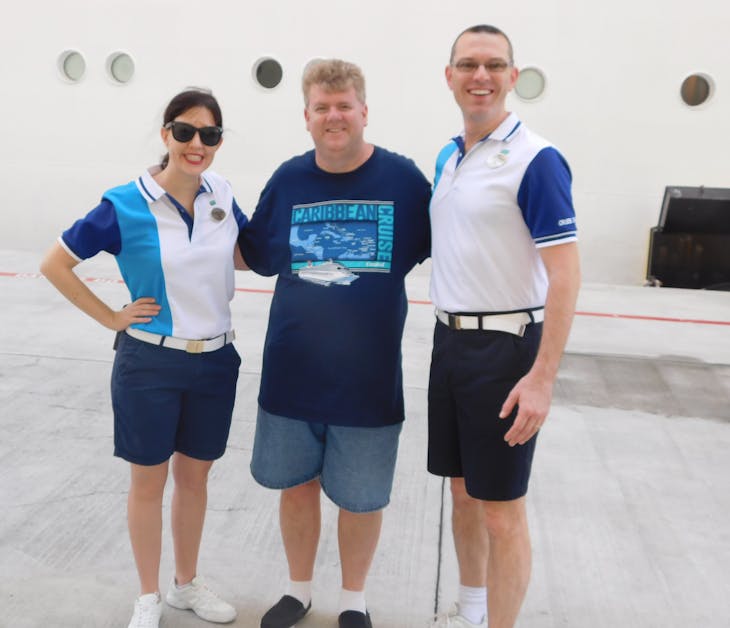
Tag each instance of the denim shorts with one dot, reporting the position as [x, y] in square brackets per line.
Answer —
[354, 465]
[166, 400]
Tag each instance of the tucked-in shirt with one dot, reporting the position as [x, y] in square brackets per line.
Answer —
[185, 265]
[492, 209]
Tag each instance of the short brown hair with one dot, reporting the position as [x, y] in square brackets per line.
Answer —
[333, 75]
[489, 30]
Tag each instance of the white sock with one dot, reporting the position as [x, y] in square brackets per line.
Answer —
[473, 603]
[301, 590]
[352, 601]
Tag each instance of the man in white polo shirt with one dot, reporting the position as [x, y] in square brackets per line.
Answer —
[505, 281]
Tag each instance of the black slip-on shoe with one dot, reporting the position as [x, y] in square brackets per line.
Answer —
[354, 619]
[285, 613]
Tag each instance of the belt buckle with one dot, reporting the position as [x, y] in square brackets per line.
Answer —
[195, 346]
[454, 321]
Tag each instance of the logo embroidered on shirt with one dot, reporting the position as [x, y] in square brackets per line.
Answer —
[498, 160]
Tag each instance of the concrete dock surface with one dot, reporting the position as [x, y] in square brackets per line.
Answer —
[629, 502]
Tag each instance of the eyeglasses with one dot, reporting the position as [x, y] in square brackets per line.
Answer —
[468, 66]
[184, 132]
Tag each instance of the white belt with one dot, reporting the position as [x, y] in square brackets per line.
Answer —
[191, 346]
[512, 323]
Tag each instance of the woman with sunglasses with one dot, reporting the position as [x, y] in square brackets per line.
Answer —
[173, 233]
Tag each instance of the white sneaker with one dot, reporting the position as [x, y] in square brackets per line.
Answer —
[454, 620]
[196, 596]
[147, 611]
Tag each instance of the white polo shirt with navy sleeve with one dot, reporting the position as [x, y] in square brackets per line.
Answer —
[491, 210]
[185, 264]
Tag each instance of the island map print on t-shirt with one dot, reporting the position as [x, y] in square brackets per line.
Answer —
[356, 234]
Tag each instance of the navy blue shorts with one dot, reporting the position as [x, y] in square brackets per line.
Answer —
[166, 400]
[472, 372]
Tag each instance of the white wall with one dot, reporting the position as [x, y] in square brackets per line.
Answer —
[612, 104]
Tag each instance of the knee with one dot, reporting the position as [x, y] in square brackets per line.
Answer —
[303, 495]
[505, 519]
[146, 494]
[461, 500]
[190, 477]
[146, 489]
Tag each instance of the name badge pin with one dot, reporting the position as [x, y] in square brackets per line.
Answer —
[496, 161]
[217, 214]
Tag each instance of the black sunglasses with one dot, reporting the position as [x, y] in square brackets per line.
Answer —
[184, 132]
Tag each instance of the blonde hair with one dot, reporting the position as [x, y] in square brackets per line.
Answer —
[333, 75]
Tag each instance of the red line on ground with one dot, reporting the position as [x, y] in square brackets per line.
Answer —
[666, 319]
[256, 290]
[639, 317]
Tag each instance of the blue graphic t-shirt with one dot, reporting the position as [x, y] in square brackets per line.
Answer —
[332, 353]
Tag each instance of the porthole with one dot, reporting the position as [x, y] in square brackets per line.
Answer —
[120, 67]
[530, 84]
[268, 72]
[71, 65]
[696, 89]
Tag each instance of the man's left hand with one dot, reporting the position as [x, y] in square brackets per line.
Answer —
[532, 395]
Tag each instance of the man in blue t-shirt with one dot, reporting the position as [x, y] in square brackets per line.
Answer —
[505, 259]
[341, 225]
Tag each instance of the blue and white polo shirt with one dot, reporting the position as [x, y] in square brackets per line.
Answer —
[491, 210]
[186, 265]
